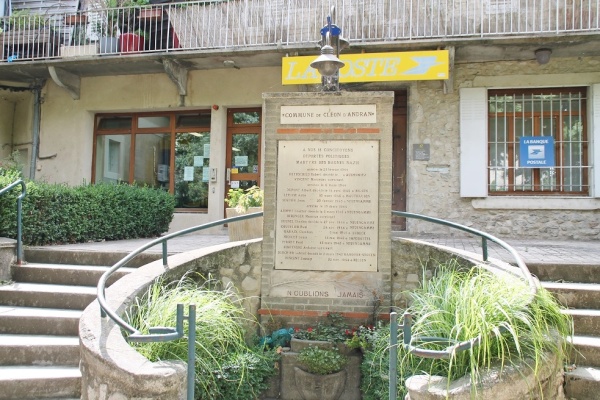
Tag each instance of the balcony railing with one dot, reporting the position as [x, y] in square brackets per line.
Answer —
[276, 23]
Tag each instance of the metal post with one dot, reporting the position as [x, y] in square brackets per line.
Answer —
[484, 248]
[20, 222]
[191, 368]
[393, 354]
[164, 253]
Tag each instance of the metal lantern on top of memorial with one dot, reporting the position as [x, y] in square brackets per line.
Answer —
[328, 63]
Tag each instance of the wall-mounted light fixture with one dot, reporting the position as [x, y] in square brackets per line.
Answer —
[543, 56]
[328, 63]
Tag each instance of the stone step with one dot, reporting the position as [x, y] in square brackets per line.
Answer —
[586, 351]
[583, 273]
[62, 274]
[39, 350]
[85, 257]
[37, 382]
[47, 296]
[582, 383]
[575, 295]
[585, 321]
[39, 321]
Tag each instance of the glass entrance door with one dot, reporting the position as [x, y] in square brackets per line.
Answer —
[243, 148]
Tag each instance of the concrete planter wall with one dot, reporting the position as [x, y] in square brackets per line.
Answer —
[500, 383]
[297, 384]
[246, 229]
[85, 50]
[320, 387]
[7, 255]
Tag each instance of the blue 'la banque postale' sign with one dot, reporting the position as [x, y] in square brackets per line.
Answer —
[536, 152]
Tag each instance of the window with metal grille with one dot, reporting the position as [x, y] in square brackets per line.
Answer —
[559, 113]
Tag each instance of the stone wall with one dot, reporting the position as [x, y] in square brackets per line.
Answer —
[501, 382]
[7, 256]
[434, 119]
[301, 294]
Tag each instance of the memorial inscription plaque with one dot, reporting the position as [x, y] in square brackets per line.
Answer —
[327, 205]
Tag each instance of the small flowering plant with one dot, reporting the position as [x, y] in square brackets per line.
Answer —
[362, 338]
[334, 330]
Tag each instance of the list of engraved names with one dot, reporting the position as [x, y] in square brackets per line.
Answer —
[327, 205]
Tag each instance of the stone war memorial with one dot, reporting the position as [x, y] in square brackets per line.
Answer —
[326, 233]
[326, 238]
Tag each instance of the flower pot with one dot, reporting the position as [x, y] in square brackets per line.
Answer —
[152, 14]
[79, 19]
[319, 387]
[131, 43]
[79, 51]
[298, 344]
[246, 229]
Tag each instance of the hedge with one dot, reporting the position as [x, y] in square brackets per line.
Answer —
[56, 213]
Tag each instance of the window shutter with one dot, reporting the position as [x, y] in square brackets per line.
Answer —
[473, 142]
[595, 139]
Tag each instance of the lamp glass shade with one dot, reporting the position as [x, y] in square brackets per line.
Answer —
[327, 64]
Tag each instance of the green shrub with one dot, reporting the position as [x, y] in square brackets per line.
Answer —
[241, 199]
[56, 213]
[460, 306]
[227, 367]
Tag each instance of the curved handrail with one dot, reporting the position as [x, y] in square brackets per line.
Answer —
[533, 285]
[19, 214]
[105, 309]
[467, 344]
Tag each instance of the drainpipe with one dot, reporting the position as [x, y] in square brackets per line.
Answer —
[35, 146]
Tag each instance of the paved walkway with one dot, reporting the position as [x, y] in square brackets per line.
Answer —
[532, 251]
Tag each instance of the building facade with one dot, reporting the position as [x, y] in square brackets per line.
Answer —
[508, 144]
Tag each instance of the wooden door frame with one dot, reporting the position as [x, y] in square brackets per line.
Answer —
[233, 129]
[400, 157]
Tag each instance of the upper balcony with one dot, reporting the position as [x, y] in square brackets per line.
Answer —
[108, 41]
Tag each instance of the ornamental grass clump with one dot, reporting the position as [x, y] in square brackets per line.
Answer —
[513, 326]
[226, 366]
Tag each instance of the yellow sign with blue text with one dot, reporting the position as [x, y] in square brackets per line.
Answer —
[372, 67]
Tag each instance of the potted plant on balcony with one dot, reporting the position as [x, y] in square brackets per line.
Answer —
[239, 202]
[107, 28]
[119, 19]
[27, 36]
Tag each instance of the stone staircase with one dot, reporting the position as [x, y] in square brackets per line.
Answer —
[578, 288]
[39, 321]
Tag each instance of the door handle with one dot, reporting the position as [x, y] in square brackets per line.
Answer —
[228, 175]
